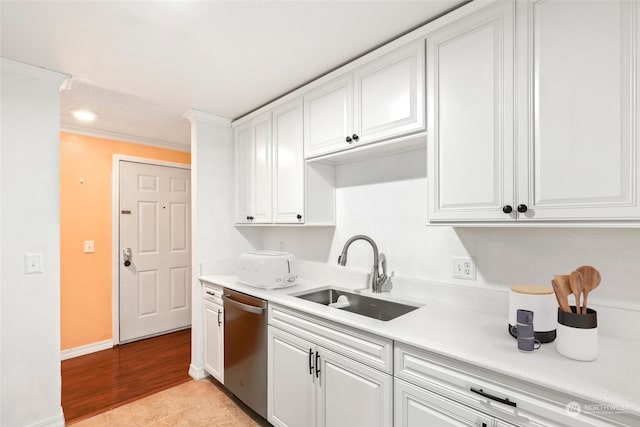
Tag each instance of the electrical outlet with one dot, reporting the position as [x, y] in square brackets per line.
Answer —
[88, 247]
[464, 268]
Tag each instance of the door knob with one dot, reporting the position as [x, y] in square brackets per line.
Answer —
[126, 256]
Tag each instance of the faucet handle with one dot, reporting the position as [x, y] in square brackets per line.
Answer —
[387, 284]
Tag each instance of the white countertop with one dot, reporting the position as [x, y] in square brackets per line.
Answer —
[472, 330]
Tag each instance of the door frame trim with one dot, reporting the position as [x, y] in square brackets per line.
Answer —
[115, 230]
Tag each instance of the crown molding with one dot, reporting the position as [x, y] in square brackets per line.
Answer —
[65, 127]
[32, 72]
[195, 116]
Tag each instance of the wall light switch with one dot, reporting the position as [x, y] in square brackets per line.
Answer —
[88, 247]
[32, 263]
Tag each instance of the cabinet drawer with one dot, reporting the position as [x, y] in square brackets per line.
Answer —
[367, 348]
[517, 402]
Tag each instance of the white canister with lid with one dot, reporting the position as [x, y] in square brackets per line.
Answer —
[542, 301]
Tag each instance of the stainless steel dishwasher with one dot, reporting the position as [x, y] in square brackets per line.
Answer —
[245, 349]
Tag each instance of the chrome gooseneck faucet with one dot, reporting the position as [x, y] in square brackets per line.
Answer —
[377, 280]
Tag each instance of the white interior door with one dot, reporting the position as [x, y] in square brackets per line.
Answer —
[155, 284]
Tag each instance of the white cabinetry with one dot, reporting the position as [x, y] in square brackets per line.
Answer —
[382, 99]
[273, 183]
[418, 407]
[253, 170]
[318, 375]
[288, 164]
[470, 119]
[434, 390]
[214, 332]
[564, 144]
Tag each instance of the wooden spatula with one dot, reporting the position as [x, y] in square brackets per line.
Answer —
[575, 282]
[561, 296]
[590, 280]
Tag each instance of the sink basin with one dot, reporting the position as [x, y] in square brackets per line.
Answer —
[360, 304]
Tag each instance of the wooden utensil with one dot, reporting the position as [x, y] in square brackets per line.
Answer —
[563, 282]
[561, 296]
[590, 280]
[575, 282]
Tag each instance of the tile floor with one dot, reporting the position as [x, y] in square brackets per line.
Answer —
[192, 404]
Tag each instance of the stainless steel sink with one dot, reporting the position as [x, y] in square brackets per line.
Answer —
[360, 304]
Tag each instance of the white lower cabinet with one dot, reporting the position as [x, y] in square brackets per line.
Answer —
[214, 333]
[310, 385]
[434, 390]
[417, 407]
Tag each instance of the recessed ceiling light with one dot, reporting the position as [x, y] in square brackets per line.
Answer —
[84, 115]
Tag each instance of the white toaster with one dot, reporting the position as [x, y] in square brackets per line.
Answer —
[267, 269]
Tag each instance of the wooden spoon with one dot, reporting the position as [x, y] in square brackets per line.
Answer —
[575, 282]
[561, 296]
[590, 280]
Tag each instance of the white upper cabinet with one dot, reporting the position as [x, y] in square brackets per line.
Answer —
[389, 98]
[379, 100]
[578, 119]
[549, 135]
[470, 119]
[288, 164]
[328, 118]
[253, 171]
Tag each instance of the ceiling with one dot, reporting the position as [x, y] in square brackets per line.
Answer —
[140, 65]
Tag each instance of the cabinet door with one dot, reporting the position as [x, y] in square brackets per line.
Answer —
[388, 100]
[262, 164]
[288, 164]
[214, 340]
[352, 394]
[578, 129]
[418, 407]
[470, 116]
[328, 117]
[244, 173]
[291, 373]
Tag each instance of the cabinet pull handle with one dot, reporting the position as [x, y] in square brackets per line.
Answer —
[355, 137]
[507, 209]
[317, 364]
[505, 401]
[310, 361]
[522, 208]
[219, 321]
[349, 140]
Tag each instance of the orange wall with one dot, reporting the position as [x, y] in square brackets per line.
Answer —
[85, 214]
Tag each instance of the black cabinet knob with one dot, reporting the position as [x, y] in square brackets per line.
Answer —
[522, 208]
[127, 263]
[349, 140]
[299, 217]
[249, 218]
[507, 209]
[355, 137]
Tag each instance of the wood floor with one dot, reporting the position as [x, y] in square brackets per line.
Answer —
[100, 381]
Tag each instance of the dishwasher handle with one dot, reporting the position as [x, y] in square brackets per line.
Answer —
[242, 306]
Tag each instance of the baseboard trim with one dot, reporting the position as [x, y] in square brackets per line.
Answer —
[86, 349]
[196, 373]
[57, 421]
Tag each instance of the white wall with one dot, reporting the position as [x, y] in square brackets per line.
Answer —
[386, 198]
[30, 304]
[214, 239]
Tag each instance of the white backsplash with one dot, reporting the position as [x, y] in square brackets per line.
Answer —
[386, 198]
